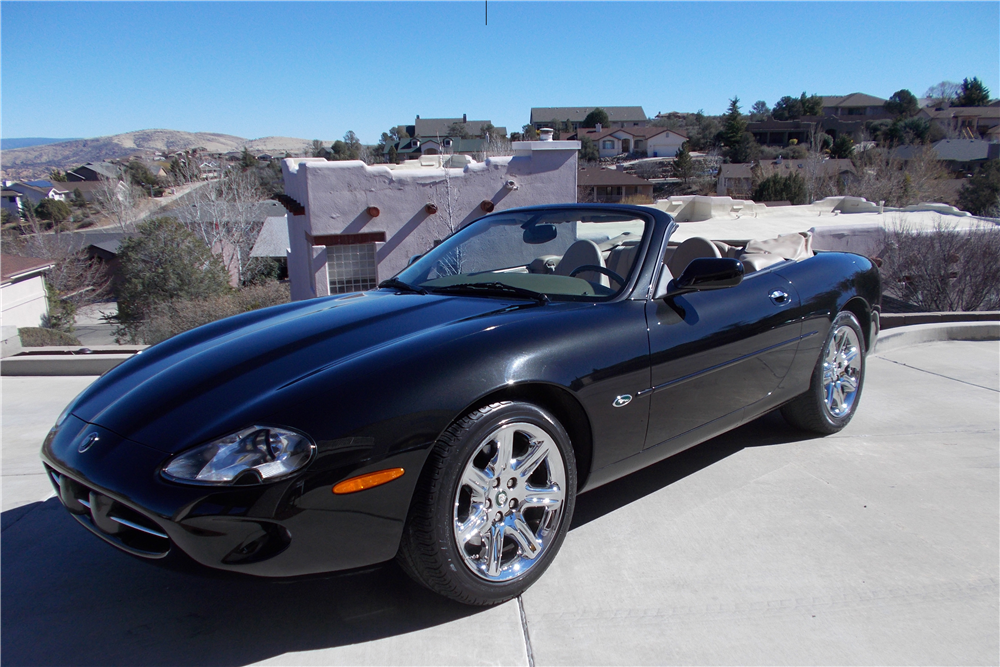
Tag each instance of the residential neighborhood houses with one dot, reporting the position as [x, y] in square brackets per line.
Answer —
[356, 213]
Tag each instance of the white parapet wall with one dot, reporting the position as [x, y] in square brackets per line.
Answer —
[850, 224]
[353, 213]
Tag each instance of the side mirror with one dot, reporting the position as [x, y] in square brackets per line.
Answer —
[413, 259]
[704, 273]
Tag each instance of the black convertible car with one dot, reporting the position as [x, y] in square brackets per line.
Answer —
[450, 417]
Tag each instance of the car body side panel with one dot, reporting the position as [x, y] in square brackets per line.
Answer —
[715, 352]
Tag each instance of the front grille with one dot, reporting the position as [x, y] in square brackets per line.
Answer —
[112, 521]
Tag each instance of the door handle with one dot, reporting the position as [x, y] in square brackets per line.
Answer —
[778, 297]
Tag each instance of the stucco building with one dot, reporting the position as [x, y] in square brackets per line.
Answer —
[351, 225]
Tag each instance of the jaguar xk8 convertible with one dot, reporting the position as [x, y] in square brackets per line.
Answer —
[450, 417]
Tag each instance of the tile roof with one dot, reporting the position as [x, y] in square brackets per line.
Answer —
[12, 266]
[577, 114]
[438, 127]
[852, 100]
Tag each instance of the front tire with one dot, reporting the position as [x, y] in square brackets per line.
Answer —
[837, 380]
[493, 504]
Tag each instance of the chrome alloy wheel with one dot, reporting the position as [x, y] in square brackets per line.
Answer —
[509, 501]
[842, 371]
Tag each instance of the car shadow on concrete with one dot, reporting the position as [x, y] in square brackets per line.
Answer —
[69, 599]
[770, 429]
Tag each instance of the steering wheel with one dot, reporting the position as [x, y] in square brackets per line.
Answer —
[599, 269]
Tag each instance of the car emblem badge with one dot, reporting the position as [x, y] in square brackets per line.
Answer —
[622, 400]
[88, 442]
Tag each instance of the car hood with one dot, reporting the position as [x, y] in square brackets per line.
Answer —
[221, 377]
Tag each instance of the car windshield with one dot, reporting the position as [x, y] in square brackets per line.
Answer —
[563, 254]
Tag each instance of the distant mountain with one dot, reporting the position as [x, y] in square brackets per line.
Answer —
[37, 161]
[7, 144]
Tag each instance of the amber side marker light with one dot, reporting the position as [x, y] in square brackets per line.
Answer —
[367, 481]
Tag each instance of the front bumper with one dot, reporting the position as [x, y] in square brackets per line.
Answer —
[288, 528]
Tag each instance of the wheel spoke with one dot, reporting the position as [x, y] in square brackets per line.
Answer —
[505, 450]
[849, 383]
[851, 354]
[539, 452]
[474, 526]
[549, 497]
[526, 540]
[494, 548]
[478, 481]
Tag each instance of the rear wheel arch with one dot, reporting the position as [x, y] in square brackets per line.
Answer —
[861, 310]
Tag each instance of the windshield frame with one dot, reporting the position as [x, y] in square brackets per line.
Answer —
[641, 214]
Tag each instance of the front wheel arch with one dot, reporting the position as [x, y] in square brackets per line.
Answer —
[563, 406]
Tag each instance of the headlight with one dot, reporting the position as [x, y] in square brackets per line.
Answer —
[251, 456]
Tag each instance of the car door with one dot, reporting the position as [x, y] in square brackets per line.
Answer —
[714, 352]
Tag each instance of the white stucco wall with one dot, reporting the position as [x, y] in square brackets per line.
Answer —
[337, 195]
[22, 303]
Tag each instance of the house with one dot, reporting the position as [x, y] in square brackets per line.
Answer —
[11, 201]
[434, 128]
[601, 185]
[22, 291]
[620, 117]
[804, 129]
[736, 179]
[451, 146]
[35, 194]
[855, 104]
[965, 122]
[210, 170]
[351, 225]
[94, 171]
[960, 156]
[653, 141]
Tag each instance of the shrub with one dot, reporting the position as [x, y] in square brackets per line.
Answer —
[791, 188]
[167, 319]
[40, 337]
[163, 262]
[637, 200]
[943, 269]
[981, 194]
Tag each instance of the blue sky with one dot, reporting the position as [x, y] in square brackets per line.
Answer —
[315, 70]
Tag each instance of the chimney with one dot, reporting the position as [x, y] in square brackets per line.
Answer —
[418, 116]
[597, 127]
[465, 119]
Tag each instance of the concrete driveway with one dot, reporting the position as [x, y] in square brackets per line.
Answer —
[879, 545]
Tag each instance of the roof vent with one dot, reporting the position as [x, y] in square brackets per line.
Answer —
[545, 134]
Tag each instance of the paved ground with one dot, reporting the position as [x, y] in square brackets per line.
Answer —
[880, 545]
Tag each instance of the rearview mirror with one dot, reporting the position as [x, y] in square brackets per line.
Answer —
[537, 234]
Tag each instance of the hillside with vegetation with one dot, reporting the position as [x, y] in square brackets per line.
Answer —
[36, 162]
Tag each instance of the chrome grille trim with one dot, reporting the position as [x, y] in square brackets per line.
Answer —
[130, 524]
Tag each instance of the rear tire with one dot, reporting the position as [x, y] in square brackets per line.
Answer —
[837, 380]
[493, 505]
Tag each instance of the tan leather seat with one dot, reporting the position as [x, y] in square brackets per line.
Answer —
[693, 248]
[582, 253]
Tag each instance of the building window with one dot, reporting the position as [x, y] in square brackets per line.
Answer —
[352, 268]
[607, 143]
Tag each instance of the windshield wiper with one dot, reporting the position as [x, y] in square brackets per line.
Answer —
[396, 283]
[495, 288]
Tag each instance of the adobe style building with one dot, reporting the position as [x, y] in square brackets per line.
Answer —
[351, 225]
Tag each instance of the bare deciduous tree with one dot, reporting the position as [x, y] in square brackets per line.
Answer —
[943, 269]
[76, 280]
[119, 200]
[224, 215]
